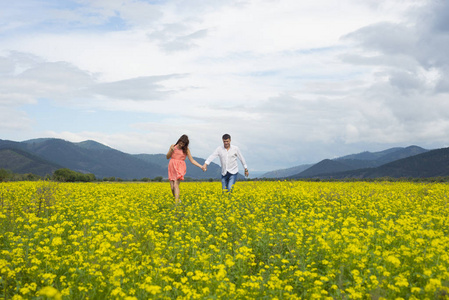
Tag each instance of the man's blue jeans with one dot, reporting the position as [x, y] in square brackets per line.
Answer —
[228, 180]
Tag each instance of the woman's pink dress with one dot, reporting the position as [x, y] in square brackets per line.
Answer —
[177, 165]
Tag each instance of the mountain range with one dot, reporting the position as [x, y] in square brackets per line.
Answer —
[433, 163]
[411, 161]
[282, 173]
[345, 163]
[44, 156]
[360, 161]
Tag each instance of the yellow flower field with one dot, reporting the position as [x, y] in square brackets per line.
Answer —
[268, 240]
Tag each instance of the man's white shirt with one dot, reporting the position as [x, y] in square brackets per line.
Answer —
[228, 159]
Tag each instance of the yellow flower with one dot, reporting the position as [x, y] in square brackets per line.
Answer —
[433, 285]
[394, 260]
[221, 274]
[229, 261]
[56, 241]
[401, 281]
[50, 292]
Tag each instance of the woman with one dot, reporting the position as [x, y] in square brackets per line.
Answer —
[177, 166]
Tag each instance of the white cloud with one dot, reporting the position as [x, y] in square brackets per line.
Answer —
[13, 120]
[141, 88]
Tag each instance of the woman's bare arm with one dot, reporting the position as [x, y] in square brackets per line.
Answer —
[170, 151]
[194, 162]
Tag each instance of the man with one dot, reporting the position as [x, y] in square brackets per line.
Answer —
[228, 158]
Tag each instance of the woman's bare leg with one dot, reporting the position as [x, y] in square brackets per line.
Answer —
[176, 190]
[172, 187]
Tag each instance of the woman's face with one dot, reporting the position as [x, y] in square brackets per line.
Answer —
[181, 144]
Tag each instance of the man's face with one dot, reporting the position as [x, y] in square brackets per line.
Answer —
[227, 143]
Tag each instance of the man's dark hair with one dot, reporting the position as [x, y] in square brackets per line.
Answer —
[226, 136]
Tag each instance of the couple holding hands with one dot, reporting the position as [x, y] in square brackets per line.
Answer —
[228, 158]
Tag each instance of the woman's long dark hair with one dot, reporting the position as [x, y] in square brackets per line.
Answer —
[185, 139]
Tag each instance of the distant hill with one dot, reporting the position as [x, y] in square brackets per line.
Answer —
[349, 162]
[88, 157]
[366, 155]
[433, 163]
[385, 156]
[359, 161]
[91, 157]
[324, 166]
[22, 162]
[286, 172]
[92, 145]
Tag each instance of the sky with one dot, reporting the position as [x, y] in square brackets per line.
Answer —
[293, 82]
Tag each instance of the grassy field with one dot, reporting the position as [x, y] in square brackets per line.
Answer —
[268, 240]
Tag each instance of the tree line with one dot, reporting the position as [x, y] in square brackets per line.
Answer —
[67, 175]
[61, 175]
